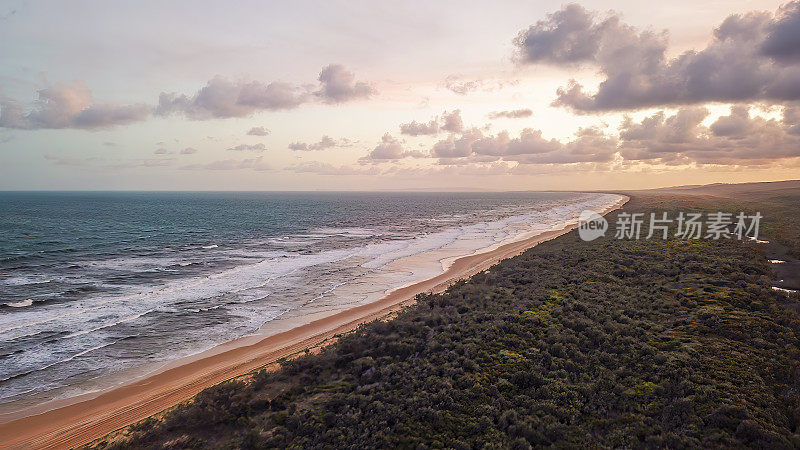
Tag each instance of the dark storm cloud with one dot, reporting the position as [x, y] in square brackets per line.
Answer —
[752, 57]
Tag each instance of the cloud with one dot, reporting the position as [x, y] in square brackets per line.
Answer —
[159, 161]
[456, 147]
[736, 125]
[189, 151]
[222, 98]
[248, 148]
[321, 168]
[460, 86]
[389, 148]
[791, 119]
[69, 105]
[160, 151]
[102, 163]
[105, 164]
[474, 142]
[298, 146]
[752, 57]
[464, 167]
[473, 145]
[590, 145]
[415, 128]
[678, 139]
[513, 114]
[256, 164]
[338, 85]
[70, 161]
[451, 122]
[737, 138]
[324, 143]
[567, 36]
[783, 37]
[258, 131]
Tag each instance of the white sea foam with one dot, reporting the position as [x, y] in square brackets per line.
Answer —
[784, 290]
[470, 239]
[22, 304]
[26, 280]
[277, 283]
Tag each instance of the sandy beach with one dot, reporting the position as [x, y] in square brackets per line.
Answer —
[93, 416]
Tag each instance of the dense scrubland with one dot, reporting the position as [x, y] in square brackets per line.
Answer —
[610, 343]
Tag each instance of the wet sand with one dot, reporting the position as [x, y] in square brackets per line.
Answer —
[70, 425]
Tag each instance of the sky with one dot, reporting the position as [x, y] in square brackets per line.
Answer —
[360, 95]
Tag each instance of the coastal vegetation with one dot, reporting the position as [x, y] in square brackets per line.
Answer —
[610, 343]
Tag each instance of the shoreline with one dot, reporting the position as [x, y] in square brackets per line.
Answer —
[81, 421]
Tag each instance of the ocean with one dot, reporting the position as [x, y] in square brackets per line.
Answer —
[97, 284]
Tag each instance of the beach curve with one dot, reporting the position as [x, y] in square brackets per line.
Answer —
[83, 421]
